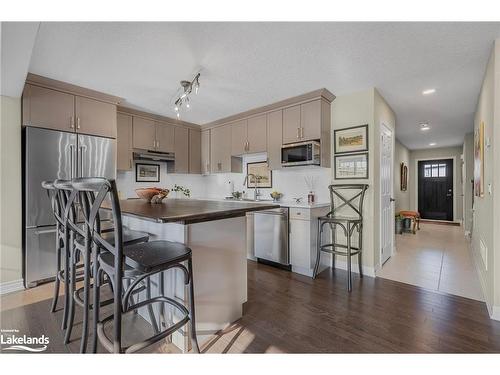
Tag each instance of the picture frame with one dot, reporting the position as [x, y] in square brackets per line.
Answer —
[147, 172]
[349, 140]
[403, 176]
[479, 161]
[351, 166]
[262, 172]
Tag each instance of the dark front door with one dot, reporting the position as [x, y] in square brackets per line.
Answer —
[435, 189]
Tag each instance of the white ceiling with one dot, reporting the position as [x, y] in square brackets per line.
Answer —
[246, 65]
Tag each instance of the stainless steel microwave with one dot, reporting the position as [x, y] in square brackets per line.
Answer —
[303, 153]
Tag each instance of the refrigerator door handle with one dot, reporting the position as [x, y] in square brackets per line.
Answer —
[71, 162]
[81, 161]
[45, 231]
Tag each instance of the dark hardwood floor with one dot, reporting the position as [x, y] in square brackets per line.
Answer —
[291, 313]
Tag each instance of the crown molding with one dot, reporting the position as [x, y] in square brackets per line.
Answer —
[159, 118]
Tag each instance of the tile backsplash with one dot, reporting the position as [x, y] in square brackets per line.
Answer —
[291, 182]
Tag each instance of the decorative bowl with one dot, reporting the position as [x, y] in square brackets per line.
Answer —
[276, 196]
[154, 195]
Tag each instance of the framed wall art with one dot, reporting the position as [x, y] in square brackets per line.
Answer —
[262, 173]
[479, 160]
[354, 166]
[404, 176]
[353, 139]
[147, 172]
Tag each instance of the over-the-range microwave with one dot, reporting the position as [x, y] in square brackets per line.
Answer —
[303, 153]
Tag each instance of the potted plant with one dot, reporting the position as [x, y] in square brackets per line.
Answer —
[181, 189]
[399, 224]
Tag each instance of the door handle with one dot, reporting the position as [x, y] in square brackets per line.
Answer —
[392, 199]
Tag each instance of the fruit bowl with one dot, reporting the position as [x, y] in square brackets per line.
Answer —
[153, 195]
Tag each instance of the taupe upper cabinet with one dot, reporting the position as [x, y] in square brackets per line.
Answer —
[95, 117]
[194, 151]
[144, 133]
[165, 137]
[291, 124]
[46, 108]
[274, 137]
[221, 160]
[205, 152]
[181, 150]
[61, 106]
[238, 137]
[124, 142]
[304, 122]
[257, 134]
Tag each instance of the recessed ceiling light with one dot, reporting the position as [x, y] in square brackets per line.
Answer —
[424, 126]
[432, 144]
[428, 91]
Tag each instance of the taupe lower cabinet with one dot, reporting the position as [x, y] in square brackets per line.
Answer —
[194, 151]
[124, 142]
[304, 122]
[53, 109]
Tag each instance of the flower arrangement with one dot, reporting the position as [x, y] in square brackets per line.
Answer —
[182, 189]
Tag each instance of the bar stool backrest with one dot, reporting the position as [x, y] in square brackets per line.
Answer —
[347, 200]
[54, 201]
[67, 200]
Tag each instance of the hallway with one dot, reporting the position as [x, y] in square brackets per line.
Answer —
[436, 258]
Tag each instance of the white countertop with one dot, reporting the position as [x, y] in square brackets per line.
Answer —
[289, 204]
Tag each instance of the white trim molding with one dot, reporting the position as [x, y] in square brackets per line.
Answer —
[495, 313]
[342, 265]
[11, 286]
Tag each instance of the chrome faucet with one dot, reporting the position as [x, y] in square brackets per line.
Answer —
[256, 192]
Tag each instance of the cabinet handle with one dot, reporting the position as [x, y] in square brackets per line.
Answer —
[130, 163]
[298, 132]
[78, 122]
[301, 132]
[72, 122]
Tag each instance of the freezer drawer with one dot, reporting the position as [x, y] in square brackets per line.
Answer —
[271, 236]
[40, 259]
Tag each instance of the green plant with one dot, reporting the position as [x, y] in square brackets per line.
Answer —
[182, 189]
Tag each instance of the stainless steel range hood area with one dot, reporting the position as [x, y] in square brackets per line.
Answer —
[154, 156]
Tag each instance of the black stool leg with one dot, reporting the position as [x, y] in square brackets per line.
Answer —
[192, 322]
[96, 301]
[318, 249]
[150, 307]
[57, 282]
[86, 297]
[333, 229]
[360, 247]
[72, 281]
[66, 284]
[349, 276]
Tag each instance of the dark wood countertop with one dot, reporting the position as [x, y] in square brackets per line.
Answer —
[189, 211]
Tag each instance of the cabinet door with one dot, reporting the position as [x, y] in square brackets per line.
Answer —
[144, 133]
[238, 137]
[181, 149]
[220, 149]
[123, 142]
[165, 137]
[274, 139]
[194, 151]
[291, 124]
[310, 120]
[95, 118]
[257, 134]
[300, 244]
[205, 152]
[48, 109]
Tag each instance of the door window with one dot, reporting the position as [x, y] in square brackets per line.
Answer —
[434, 170]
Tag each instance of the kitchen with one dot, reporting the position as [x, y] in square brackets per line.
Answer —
[73, 132]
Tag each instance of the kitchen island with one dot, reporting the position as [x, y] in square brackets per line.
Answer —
[216, 233]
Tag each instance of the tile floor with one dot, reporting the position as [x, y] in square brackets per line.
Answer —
[436, 258]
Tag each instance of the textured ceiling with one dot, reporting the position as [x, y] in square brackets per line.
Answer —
[246, 65]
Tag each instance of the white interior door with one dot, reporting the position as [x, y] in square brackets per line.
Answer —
[386, 186]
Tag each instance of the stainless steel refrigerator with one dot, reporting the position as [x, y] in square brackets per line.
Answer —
[50, 155]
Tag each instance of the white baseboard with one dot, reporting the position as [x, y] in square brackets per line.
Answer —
[341, 264]
[11, 286]
[495, 313]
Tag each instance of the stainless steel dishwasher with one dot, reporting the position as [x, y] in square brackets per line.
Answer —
[270, 236]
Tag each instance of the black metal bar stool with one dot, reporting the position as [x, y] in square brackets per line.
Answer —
[137, 262]
[348, 215]
[80, 248]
